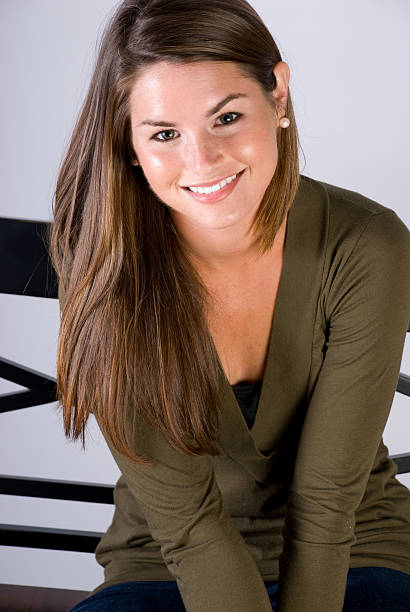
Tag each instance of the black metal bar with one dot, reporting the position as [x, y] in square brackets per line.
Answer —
[57, 489]
[26, 399]
[48, 538]
[402, 461]
[403, 385]
[24, 376]
[25, 264]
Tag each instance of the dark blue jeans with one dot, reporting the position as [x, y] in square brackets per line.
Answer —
[368, 589]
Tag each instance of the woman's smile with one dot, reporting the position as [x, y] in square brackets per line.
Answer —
[212, 184]
[216, 191]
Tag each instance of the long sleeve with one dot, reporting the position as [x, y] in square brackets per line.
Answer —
[183, 507]
[367, 310]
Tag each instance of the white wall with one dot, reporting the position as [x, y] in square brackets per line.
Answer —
[351, 93]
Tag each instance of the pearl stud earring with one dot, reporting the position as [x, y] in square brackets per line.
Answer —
[284, 122]
[135, 162]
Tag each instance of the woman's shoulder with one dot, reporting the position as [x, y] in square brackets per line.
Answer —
[363, 247]
[348, 214]
[344, 201]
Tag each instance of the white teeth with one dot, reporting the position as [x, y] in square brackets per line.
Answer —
[213, 188]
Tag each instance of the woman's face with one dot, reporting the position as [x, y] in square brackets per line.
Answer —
[211, 123]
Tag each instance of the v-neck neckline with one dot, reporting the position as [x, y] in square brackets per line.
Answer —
[286, 356]
[285, 272]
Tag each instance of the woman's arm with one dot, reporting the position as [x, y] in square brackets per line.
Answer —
[183, 507]
[201, 547]
[368, 308]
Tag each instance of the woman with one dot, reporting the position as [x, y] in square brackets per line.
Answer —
[236, 329]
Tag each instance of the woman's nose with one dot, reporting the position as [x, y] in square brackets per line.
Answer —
[202, 154]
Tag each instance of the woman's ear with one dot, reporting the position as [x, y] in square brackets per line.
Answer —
[280, 93]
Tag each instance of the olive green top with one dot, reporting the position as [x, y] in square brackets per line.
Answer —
[309, 490]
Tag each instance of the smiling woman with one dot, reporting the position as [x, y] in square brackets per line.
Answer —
[201, 148]
[229, 323]
[123, 236]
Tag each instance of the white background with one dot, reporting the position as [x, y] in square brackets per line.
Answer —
[350, 87]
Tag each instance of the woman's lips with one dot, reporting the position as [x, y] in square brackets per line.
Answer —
[215, 196]
[214, 182]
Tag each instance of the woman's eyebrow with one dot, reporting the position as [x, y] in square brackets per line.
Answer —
[211, 112]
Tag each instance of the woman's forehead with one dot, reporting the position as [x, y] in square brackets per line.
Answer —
[165, 84]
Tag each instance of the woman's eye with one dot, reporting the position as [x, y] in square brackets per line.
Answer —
[163, 135]
[238, 115]
[156, 136]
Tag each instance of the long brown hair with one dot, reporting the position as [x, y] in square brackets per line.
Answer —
[134, 342]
